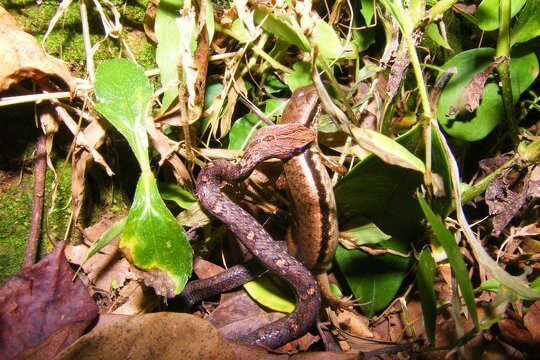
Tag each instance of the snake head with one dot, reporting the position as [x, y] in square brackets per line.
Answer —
[279, 141]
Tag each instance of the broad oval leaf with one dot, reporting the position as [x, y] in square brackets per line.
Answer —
[270, 292]
[473, 126]
[173, 192]
[374, 280]
[153, 238]
[301, 75]
[487, 13]
[123, 92]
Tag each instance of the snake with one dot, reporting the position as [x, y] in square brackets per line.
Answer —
[282, 142]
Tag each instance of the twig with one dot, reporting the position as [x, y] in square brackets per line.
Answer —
[40, 170]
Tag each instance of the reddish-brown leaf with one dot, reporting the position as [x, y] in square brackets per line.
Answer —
[41, 310]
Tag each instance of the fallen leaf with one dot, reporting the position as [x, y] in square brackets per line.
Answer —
[107, 267]
[22, 58]
[505, 196]
[161, 336]
[471, 95]
[531, 320]
[42, 311]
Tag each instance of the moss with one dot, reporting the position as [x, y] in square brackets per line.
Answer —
[66, 41]
[15, 213]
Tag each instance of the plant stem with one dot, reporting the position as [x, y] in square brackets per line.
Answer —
[424, 99]
[503, 49]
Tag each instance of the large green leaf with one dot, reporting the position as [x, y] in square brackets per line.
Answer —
[385, 193]
[154, 238]
[387, 149]
[451, 248]
[425, 280]
[123, 92]
[168, 48]
[374, 280]
[487, 13]
[528, 24]
[281, 26]
[472, 126]
[151, 236]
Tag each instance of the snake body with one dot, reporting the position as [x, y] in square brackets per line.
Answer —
[283, 142]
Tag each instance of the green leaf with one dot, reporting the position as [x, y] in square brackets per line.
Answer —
[477, 125]
[274, 107]
[123, 92]
[387, 149]
[432, 31]
[212, 91]
[281, 26]
[300, 77]
[209, 20]
[173, 192]
[367, 10]
[364, 232]
[459, 269]
[168, 48]
[326, 35]
[272, 84]
[269, 291]
[425, 278]
[153, 237]
[243, 130]
[528, 24]
[487, 13]
[362, 39]
[239, 31]
[104, 240]
[384, 193]
[374, 280]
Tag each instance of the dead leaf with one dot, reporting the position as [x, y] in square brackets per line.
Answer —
[107, 266]
[505, 196]
[517, 335]
[42, 311]
[531, 320]
[162, 335]
[471, 95]
[22, 58]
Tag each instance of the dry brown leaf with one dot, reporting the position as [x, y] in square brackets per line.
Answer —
[531, 320]
[42, 311]
[152, 336]
[355, 324]
[22, 58]
[471, 95]
[107, 266]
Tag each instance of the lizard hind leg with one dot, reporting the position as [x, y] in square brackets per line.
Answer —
[335, 302]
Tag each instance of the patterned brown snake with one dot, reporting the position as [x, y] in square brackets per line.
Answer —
[283, 142]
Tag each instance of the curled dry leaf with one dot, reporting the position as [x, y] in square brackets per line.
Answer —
[159, 335]
[42, 311]
[22, 58]
[107, 266]
[470, 98]
[115, 281]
